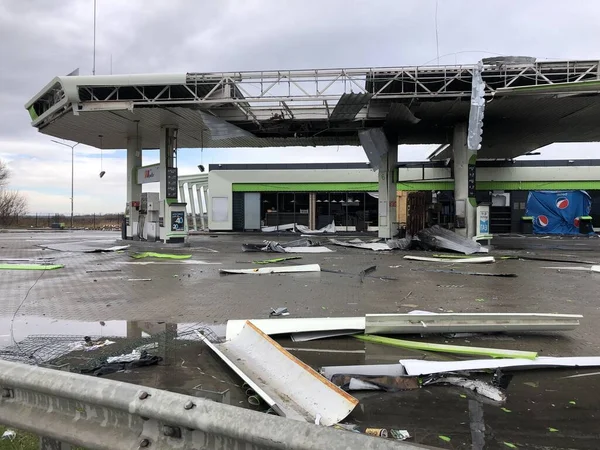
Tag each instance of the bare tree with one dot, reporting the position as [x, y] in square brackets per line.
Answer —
[12, 203]
[4, 174]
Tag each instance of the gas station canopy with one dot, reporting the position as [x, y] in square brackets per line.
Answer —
[528, 105]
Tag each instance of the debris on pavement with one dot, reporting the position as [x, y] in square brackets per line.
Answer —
[329, 228]
[282, 311]
[582, 269]
[477, 386]
[425, 322]
[379, 432]
[89, 344]
[400, 435]
[276, 260]
[404, 243]
[297, 325]
[437, 237]
[127, 357]
[139, 279]
[31, 266]
[294, 227]
[479, 260]
[304, 245]
[316, 335]
[340, 272]
[445, 348]
[418, 367]
[462, 272]
[290, 387]
[268, 270]
[358, 243]
[355, 382]
[141, 255]
[9, 434]
[116, 248]
[388, 370]
[103, 271]
[108, 368]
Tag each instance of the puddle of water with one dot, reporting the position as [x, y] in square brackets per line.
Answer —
[24, 326]
[544, 408]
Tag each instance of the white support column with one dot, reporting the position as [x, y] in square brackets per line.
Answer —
[200, 193]
[134, 190]
[192, 206]
[388, 225]
[463, 157]
[383, 156]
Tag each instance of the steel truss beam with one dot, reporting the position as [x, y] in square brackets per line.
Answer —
[288, 90]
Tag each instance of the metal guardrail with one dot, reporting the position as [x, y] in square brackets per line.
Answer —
[97, 413]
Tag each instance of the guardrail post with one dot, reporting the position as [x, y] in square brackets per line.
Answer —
[47, 443]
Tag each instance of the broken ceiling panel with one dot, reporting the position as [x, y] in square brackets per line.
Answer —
[349, 105]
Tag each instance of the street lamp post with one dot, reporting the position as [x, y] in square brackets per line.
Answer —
[72, 147]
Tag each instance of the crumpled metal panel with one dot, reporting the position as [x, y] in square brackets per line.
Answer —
[438, 237]
[477, 108]
[375, 144]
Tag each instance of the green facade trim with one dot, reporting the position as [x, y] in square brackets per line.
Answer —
[537, 185]
[417, 186]
[568, 86]
[32, 113]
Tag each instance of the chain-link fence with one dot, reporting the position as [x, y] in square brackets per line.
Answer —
[64, 221]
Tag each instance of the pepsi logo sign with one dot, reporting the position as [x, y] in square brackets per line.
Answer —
[542, 221]
[562, 203]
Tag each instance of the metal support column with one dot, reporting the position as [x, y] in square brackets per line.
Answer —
[383, 156]
[134, 190]
[168, 145]
[192, 206]
[464, 182]
[312, 210]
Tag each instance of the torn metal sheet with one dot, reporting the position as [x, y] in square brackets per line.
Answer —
[267, 270]
[116, 248]
[404, 243]
[353, 382]
[388, 370]
[438, 237]
[297, 325]
[462, 272]
[480, 387]
[315, 335]
[444, 348]
[478, 260]
[330, 228]
[292, 388]
[304, 245]
[357, 243]
[417, 367]
[468, 323]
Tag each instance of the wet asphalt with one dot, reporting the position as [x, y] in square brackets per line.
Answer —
[93, 295]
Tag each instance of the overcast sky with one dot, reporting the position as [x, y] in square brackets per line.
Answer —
[40, 39]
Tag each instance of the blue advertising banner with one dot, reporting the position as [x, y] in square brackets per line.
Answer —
[557, 212]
